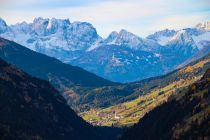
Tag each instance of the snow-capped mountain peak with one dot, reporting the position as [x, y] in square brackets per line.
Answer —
[2, 22]
[181, 36]
[162, 37]
[55, 24]
[166, 33]
[121, 52]
[183, 40]
[128, 39]
[51, 35]
[40, 25]
[22, 27]
[204, 26]
[48, 26]
[84, 30]
[3, 26]
[123, 39]
[111, 38]
[125, 35]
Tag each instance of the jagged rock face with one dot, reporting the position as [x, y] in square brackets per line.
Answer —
[170, 48]
[3, 26]
[55, 37]
[158, 36]
[77, 43]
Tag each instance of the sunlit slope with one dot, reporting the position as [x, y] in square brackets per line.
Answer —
[128, 113]
[185, 116]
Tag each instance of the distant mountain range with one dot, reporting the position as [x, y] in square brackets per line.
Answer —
[121, 57]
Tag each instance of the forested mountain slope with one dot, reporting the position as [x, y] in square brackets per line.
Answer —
[185, 116]
[31, 109]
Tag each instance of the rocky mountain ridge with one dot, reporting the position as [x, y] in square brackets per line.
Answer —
[79, 44]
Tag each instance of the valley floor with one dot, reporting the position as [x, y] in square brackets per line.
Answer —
[129, 113]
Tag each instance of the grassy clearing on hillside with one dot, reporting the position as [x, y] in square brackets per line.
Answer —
[129, 113]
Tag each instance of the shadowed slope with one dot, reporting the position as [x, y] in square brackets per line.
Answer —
[32, 109]
[62, 76]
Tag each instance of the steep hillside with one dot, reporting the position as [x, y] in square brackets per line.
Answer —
[62, 76]
[149, 95]
[82, 89]
[31, 109]
[185, 116]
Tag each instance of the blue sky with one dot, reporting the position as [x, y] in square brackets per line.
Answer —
[141, 17]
